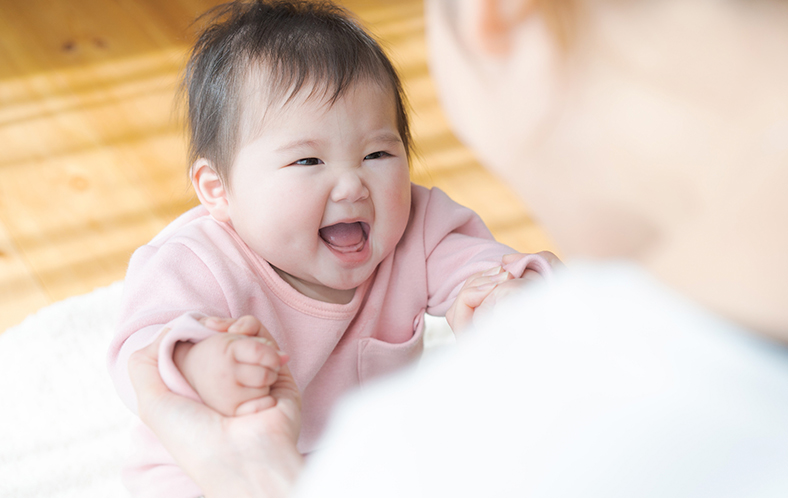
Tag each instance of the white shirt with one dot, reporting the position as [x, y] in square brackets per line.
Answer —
[605, 384]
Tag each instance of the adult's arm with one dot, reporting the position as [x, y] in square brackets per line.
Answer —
[234, 457]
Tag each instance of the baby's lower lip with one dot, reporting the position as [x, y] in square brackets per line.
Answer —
[364, 235]
[355, 255]
[348, 249]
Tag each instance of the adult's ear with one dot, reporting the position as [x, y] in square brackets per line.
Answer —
[497, 104]
[210, 189]
[497, 20]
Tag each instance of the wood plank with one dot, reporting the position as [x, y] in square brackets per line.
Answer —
[94, 160]
[47, 35]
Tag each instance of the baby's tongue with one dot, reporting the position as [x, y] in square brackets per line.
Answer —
[343, 234]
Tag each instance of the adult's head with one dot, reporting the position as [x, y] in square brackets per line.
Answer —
[655, 131]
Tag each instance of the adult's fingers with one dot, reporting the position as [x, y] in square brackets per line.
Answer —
[255, 405]
[288, 400]
[472, 294]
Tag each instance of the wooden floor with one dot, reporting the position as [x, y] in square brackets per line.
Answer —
[93, 162]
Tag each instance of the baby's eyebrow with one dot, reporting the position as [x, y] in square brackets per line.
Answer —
[389, 137]
[299, 144]
[310, 143]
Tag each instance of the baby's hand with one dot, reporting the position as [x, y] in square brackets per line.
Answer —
[472, 295]
[232, 371]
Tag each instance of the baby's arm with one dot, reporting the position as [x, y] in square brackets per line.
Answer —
[232, 372]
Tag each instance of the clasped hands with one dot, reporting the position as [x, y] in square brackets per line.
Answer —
[483, 290]
[246, 445]
[250, 455]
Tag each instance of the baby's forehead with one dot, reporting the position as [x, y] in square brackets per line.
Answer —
[262, 101]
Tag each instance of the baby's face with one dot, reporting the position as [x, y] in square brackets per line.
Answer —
[323, 193]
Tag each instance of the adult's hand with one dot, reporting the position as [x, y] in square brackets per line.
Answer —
[246, 456]
[513, 286]
[472, 294]
[482, 291]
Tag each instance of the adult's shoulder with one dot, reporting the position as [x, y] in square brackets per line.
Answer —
[604, 384]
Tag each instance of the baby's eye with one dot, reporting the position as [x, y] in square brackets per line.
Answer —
[308, 161]
[377, 155]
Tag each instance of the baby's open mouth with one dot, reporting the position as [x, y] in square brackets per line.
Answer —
[346, 237]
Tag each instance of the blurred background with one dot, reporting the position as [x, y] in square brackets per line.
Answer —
[92, 153]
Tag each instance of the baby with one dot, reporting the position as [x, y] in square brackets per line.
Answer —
[308, 222]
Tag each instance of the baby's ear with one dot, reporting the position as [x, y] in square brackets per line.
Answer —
[210, 189]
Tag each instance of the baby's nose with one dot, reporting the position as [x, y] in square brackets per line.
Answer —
[349, 187]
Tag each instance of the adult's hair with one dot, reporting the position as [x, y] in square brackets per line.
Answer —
[285, 47]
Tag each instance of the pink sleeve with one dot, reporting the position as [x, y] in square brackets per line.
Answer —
[165, 287]
[185, 328]
[458, 244]
[533, 262]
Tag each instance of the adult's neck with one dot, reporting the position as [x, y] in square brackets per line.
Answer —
[733, 259]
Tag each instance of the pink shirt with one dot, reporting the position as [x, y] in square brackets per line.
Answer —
[200, 267]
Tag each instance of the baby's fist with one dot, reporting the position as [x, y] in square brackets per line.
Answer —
[232, 372]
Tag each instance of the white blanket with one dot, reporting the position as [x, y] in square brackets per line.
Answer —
[63, 430]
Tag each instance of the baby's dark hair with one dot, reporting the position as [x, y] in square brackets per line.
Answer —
[312, 45]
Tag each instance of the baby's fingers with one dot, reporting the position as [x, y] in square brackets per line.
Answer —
[217, 323]
[255, 376]
[245, 325]
[258, 351]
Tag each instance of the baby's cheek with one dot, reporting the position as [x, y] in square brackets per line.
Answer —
[399, 201]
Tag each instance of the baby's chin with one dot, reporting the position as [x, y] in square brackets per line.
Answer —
[353, 280]
[332, 284]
